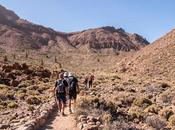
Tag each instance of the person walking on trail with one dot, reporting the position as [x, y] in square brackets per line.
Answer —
[91, 79]
[86, 82]
[73, 90]
[61, 87]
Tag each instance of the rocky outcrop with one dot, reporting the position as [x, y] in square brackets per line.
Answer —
[12, 75]
[108, 38]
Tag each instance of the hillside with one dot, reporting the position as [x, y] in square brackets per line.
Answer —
[155, 60]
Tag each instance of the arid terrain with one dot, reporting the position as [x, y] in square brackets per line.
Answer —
[133, 87]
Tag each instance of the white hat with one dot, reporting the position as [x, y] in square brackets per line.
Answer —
[70, 74]
[65, 74]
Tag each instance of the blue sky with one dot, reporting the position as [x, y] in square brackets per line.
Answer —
[150, 18]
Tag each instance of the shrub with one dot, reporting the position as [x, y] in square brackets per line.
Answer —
[31, 108]
[136, 112]
[171, 120]
[33, 100]
[142, 101]
[166, 113]
[152, 109]
[12, 105]
[107, 117]
[156, 122]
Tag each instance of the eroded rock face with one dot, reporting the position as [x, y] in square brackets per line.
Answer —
[108, 37]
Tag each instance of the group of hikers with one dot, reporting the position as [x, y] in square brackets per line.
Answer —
[66, 89]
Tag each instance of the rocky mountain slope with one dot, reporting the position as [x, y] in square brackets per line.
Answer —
[155, 60]
[18, 34]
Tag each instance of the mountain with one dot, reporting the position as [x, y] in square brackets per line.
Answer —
[106, 38]
[20, 34]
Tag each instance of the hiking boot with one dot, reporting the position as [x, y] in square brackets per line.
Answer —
[62, 114]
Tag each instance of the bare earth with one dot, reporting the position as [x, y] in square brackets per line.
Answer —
[57, 122]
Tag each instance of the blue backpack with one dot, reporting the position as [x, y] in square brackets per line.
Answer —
[72, 84]
[60, 88]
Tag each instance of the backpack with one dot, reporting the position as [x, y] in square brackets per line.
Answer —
[72, 84]
[60, 88]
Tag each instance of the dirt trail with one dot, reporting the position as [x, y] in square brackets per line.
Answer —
[57, 122]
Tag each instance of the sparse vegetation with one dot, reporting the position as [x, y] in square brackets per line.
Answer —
[12, 104]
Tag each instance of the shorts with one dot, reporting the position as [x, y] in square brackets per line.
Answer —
[61, 97]
[72, 95]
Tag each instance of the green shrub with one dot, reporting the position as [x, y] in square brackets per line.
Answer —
[142, 101]
[136, 112]
[12, 104]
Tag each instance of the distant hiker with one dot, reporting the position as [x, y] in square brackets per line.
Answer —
[60, 90]
[73, 89]
[86, 82]
[91, 79]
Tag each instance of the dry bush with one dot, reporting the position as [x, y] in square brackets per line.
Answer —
[156, 122]
[142, 102]
[107, 117]
[152, 109]
[166, 97]
[31, 108]
[12, 104]
[171, 120]
[32, 100]
[166, 113]
[136, 112]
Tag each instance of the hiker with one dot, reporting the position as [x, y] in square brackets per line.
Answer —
[91, 79]
[86, 81]
[73, 89]
[61, 87]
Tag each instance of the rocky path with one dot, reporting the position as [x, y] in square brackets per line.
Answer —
[58, 122]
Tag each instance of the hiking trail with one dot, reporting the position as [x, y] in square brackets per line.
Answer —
[58, 122]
